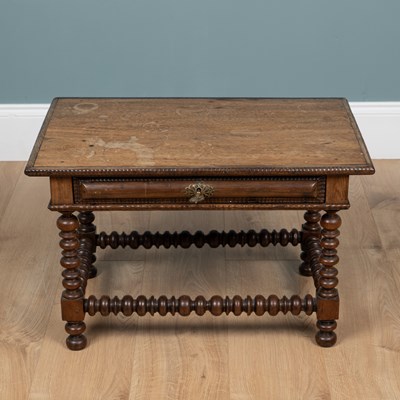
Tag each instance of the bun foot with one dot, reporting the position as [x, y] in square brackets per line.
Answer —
[76, 340]
[325, 337]
[305, 269]
[92, 272]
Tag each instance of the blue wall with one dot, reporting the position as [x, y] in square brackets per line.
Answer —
[268, 48]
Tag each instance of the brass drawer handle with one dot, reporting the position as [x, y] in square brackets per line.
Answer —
[198, 192]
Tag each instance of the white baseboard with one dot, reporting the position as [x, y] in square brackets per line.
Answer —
[379, 123]
[19, 126]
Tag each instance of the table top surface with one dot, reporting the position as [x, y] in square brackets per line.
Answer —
[184, 136]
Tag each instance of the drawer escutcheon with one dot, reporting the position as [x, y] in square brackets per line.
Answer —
[198, 192]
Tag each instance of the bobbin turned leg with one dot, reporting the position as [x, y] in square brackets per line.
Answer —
[327, 294]
[311, 233]
[87, 238]
[72, 304]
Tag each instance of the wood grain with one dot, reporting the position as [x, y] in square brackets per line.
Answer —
[126, 221]
[193, 362]
[337, 189]
[61, 190]
[127, 189]
[107, 134]
[29, 276]
[383, 198]
[259, 220]
[9, 175]
[200, 358]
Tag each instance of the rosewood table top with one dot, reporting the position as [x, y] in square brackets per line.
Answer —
[181, 136]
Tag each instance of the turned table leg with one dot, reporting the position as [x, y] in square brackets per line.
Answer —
[327, 294]
[87, 238]
[311, 234]
[72, 302]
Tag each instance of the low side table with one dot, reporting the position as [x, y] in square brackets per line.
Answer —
[199, 154]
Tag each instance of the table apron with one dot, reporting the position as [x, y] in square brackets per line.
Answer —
[120, 193]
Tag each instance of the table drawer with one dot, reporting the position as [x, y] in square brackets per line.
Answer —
[206, 190]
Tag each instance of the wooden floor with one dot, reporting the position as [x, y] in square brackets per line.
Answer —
[200, 358]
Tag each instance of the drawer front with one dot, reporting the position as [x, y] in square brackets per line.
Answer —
[195, 191]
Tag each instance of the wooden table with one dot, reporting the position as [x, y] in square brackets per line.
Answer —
[199, 154]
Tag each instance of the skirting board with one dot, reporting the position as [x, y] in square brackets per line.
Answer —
[379, 123]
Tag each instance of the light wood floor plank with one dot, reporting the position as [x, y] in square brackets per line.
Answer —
[258, 220]
[182, 358]
[200, 358]
[9, 175]
[383, 195]
[270, 362]
[125, 222]
[103, 370]
[358, 225]
[29, 276]
[355, 366]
